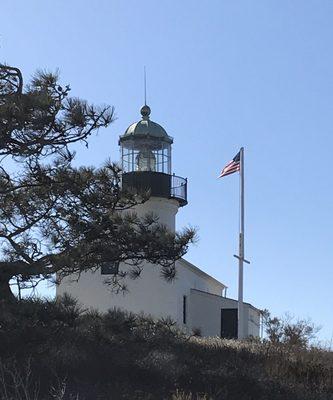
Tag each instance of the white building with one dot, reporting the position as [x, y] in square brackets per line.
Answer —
[195, 300]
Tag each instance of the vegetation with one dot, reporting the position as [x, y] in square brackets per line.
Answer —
[52, 350]
[298, 333]
[55, 218]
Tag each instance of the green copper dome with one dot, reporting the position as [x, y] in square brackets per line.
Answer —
[146, 129]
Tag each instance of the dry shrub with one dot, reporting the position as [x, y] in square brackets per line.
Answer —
[125, 356]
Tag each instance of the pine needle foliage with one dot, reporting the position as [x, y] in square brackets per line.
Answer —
[59, 219]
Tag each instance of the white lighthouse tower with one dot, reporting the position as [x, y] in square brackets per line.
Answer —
[146, 164]
[194, 300]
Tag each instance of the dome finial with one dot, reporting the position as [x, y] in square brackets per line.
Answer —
[145, 111]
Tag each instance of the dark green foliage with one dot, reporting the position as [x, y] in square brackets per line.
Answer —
[124, 356]
[59, 219]
[40, 119]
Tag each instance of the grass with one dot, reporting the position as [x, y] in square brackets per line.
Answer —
[52, 350]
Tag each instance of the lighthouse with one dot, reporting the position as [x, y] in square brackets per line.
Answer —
[194, 299]
[146, 160]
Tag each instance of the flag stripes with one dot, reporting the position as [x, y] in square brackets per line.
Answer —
[232, 166]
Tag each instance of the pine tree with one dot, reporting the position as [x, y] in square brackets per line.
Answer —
[59, 219]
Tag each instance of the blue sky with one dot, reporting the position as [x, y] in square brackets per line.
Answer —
[221, 75]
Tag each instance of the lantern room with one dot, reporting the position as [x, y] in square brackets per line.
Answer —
[146, 146]
[146, 160]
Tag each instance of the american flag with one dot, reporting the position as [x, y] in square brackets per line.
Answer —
[232, 166]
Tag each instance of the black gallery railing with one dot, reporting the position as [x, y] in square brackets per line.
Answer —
[159, 184]
[178, 187]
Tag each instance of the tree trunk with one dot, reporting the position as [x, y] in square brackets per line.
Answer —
[6, 295]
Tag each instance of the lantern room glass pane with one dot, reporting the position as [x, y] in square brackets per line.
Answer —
[146, 155]
[145, 161]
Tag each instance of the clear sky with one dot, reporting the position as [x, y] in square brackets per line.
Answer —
[221, 74]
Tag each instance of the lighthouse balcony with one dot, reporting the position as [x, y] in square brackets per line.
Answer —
[158, 183]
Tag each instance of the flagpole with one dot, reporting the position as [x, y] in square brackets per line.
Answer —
[237, 164]
[241, 250]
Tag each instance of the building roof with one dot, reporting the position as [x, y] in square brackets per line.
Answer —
[146, 128]
[224, 297]
[201, 273]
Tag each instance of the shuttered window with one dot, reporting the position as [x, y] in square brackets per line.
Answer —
[110, 268]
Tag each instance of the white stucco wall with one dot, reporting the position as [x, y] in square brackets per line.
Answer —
[149, 294]
[165, 209]
[253, 322]
[152, 295]
[205, 314]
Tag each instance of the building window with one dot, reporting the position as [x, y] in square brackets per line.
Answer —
[184, 309]
[110, 268]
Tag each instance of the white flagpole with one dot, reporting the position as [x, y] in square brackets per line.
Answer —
[241, 250]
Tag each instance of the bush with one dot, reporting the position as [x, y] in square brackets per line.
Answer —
[297, 333]
[120, 355]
